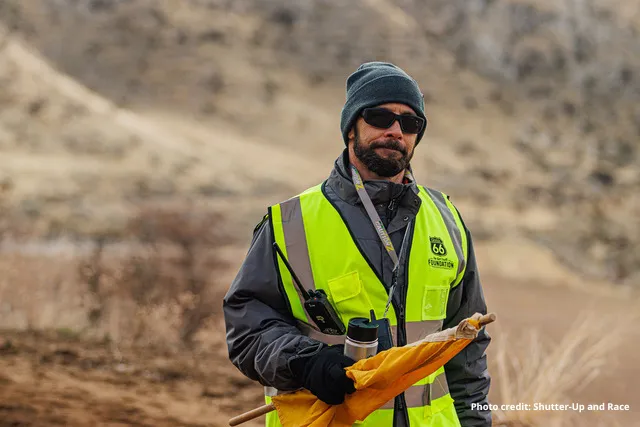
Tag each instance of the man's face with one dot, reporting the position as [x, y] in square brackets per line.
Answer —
[385, 152]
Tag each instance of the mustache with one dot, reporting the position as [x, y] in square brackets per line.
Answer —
[391, 144]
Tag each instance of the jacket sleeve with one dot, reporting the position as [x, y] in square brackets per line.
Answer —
[261, 334]
[467, 374]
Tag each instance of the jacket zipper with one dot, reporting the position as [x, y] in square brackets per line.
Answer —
[390, 208]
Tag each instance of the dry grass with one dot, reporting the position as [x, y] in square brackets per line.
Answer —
[169, 275]
[552, 374]
[160, 286]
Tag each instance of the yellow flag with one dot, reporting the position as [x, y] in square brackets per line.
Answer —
[378, 379]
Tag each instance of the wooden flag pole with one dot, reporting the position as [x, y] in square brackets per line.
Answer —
[487, 318]
[254, 413]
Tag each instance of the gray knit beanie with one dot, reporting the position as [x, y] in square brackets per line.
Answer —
[375, 83]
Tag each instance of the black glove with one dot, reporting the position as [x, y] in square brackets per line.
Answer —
[323, 374]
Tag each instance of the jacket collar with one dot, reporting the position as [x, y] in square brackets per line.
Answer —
[381, 192]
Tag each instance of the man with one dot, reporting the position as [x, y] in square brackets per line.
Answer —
[332, 236]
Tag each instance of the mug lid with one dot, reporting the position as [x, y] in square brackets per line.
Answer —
[361, 329]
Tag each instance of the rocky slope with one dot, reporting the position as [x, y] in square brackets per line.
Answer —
[534, 119]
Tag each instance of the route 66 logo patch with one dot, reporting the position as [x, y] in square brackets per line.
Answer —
[437, 246]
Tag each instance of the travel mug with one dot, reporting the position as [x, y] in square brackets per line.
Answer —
[362, 339]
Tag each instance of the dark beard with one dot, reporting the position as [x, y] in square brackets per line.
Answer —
[379, 165]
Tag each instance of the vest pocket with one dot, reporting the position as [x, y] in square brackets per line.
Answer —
[434, 302]
[349, 297]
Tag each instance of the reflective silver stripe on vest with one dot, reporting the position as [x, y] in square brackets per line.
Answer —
[450, 222]
[415, 396]
[314, 333]
[415, 332]
[418, 330]
[296, 241]
[422, 395]
[439, 387]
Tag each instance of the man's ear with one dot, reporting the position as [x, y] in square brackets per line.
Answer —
[352, 133]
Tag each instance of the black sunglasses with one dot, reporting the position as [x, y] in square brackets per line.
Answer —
[383, 119]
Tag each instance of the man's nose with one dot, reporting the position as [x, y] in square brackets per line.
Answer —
[394, 130]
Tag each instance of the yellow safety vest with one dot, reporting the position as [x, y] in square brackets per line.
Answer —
[320, 248]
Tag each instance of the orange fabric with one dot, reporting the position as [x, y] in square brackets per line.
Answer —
[378, 379]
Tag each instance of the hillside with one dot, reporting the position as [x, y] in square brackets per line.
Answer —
[83, 163]
[532, 106]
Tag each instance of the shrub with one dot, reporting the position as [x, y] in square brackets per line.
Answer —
[171, 259]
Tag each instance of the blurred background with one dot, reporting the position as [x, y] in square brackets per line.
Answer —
[141, 141]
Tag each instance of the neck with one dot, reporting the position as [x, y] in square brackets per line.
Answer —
[368, 175]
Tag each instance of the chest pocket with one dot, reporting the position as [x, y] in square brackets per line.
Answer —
[434, 302]
[349, 297]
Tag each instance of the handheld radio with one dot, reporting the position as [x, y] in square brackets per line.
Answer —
[316, 303]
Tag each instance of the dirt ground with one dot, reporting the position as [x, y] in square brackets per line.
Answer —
[55, 379]
[49, 380]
